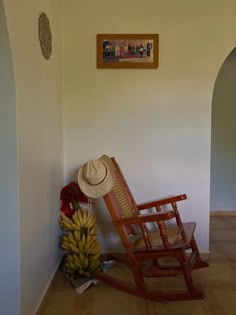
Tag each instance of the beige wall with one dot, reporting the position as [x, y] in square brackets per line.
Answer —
[156, 122]
[39, 140]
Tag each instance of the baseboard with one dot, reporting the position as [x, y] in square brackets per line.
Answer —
[220, 213]
[47, 290]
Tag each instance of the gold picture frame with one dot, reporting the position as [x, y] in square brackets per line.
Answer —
[127, 51]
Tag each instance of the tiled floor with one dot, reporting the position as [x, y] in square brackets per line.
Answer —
[218, 282]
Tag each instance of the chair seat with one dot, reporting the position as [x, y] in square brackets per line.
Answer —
[175, 237]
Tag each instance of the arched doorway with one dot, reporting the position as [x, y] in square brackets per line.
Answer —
[223, 138]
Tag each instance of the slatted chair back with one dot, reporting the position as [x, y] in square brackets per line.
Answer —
[121, 204]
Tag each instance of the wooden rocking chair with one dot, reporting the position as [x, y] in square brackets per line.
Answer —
[143, 256]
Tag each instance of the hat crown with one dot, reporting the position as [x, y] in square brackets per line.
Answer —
[95, 172]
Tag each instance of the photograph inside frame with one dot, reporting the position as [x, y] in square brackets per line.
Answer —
[128, 50]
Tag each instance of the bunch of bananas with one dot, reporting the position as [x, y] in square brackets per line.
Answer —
[80, 242]
[80, 219]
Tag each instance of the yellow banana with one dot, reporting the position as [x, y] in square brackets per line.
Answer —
[62, 224]
[77, 261]
[72, 238]
[83, 240]
[64, 238]
[95, 247]
[81, 258]
[65, 246]
[73, 248]
[96, 256]
[95, 265]
[66, 243]
[91, 264]
[75, 226]
[77, 236]
[76, 264]
[86, 218]
[75, 217]
[67, 225]
[92, 239]
[93, 230]
[91, 221]
[80, 245]
[91, 247]
[90, 244]
[80, 265]
[80, 216]
[64, 217]
[72, 266]
[87, 243]
[69, 258]
[67, 265]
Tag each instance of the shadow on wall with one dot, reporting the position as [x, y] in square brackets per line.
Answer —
[107, 233]
[223, 144]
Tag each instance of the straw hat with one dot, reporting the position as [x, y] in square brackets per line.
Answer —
[95, 178]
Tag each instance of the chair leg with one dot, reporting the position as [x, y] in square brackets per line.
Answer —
[186, 271]
[187, 275]
[137, 275]
[199, 262]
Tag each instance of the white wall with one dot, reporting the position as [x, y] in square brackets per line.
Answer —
[223, 145]
[39, 137]
[9, 223]
[156, 122]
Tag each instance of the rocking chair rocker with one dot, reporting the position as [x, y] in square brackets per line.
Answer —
[144, 255]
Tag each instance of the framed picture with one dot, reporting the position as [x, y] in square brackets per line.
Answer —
[127, 51]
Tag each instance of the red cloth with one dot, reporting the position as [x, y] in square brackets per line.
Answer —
[71, 196]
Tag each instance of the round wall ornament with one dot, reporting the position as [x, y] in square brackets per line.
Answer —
[45, 36]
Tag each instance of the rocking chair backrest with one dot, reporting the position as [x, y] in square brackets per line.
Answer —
[123, 193]
[121, 204]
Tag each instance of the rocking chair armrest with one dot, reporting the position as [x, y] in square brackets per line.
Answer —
[161, 202]
[145, 218]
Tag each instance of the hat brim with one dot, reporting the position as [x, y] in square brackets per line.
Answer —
[104, 187]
